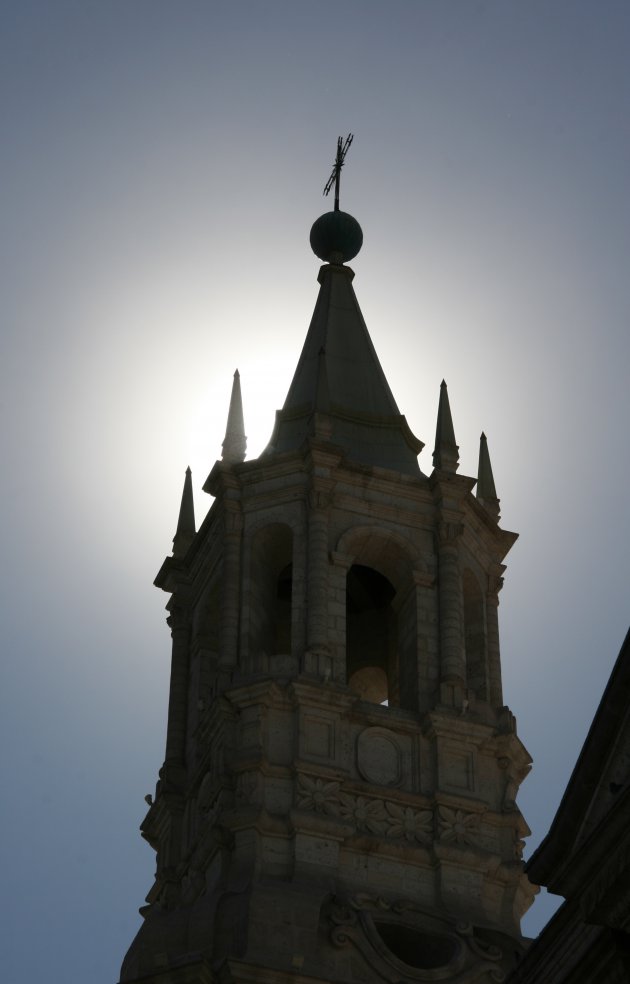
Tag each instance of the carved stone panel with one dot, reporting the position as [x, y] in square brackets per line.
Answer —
[379, 757]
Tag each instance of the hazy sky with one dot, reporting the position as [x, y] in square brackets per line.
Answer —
[162, 164]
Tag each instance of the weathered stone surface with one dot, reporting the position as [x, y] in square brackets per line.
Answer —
[338, 796]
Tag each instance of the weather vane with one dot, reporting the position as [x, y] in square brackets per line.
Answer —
[342, 150]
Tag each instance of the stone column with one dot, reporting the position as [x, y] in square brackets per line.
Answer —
[451, 617]
[317, 583]
[298, 600]
[230, 587]
[495, 583]
[419, 671]
[175, 758]
[338, 575]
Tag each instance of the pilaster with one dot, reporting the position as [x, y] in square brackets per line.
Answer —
[452, 656]
[230, 587]
[495, 583]
[175, 763]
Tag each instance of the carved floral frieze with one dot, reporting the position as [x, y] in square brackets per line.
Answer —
[375, 816]
[386, 818]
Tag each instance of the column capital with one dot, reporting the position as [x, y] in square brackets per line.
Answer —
[232, 519]
[320, 497]
[449, 533]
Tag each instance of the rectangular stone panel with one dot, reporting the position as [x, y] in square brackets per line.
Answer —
[317, 736]
[457, 769]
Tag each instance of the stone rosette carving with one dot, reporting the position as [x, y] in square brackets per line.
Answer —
[318, 795]
[458, 826]
[413, 825]
[374, 816]
[365, 813]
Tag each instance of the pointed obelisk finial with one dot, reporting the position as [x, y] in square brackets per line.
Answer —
[186, 522]
[235, 442]
[486, 491]
[446, 453]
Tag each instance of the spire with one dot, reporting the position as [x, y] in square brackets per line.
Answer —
[347, 376]
[322, 394]
[186, 521]
[235, 442]
[338, 375]
[446, 453]
[486, 492]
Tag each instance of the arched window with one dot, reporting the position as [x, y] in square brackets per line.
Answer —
[475, 636]
[371, 635]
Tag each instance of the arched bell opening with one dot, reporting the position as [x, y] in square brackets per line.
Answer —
[475, 636]
[282, 619]
[371, 635]
[271, 591]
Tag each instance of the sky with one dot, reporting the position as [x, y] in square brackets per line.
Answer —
[162, 164]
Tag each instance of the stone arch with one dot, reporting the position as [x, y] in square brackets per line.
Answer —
[371, 634]
[270, 595]
[380, 656]
[385, 550]
[475, 635]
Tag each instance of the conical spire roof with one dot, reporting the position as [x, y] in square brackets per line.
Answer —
[235, 442]
[186, 521]
[339, 366]
[446, 452]
[322, 393]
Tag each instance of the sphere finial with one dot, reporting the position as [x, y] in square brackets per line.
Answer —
[336, 236]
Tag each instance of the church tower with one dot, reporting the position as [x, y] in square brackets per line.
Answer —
[337, 800]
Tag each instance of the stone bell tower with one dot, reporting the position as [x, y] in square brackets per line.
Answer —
[337, 800]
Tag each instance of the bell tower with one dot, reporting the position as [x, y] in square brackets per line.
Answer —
[337, 800]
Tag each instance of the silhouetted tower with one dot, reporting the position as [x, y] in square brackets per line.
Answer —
[337, 801]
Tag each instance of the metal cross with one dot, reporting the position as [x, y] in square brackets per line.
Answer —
[342, 150]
